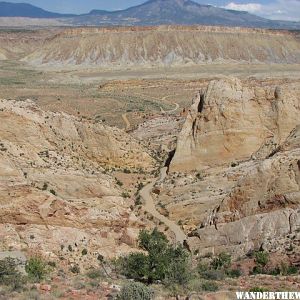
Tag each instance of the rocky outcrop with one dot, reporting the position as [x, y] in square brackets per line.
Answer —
[231, 121]
[262, 208]
[55, 195]
[239, 157]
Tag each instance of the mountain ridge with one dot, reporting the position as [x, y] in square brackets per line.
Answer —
[150, 13]
[8, 9]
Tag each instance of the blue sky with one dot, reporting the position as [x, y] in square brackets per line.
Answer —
[272, 9]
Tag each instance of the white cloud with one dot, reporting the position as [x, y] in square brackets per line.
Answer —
[250, 7]
[277, 10]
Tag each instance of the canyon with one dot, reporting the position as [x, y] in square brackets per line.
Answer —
[193, 130]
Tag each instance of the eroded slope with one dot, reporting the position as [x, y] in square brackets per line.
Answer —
[165, 45]
[54, 190]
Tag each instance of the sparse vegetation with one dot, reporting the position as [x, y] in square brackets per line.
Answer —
[36, 269]
[209, 286]
[261, 258]
[222, 261]
[9, 274]
[52, 192]
[135, 291]
[75, 269]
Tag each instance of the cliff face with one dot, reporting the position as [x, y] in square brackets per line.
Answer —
[231, 121]
[54, 190]
[262, 208]
[235, 178]
[165, 45]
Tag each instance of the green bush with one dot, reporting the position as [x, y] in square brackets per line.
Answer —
[9, 274]
[209, 286]
[135, 291]
[213, 274]
[178, 268]
[258, 270]
[292, 270]
[261, 258]
[162, 262]
[135, 266]
[234, 273]
[36, 269]
[223, 260]
[288, 269]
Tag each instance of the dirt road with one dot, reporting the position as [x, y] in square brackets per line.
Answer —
[126, 121]
[145, 193]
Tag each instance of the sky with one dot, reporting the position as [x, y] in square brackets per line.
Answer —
[271, 9]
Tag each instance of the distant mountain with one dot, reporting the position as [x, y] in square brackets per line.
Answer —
[156, 12]
[153, 12]
[8, 9]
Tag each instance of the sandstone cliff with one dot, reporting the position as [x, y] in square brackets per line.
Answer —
[235, 177]
[262, 210]
[230, 121]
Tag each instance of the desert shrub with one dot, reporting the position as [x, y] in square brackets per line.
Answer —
[135, 266]
[213, 274]
[36, 269]
[258, 289]
[45, 186]
[125, 195]
[258, 270]
[286, 269]
[84, 252]
[234, 273]
[75, 269]
[209, 286]
[119, 183]
[218, 268]
[292, 270]
[94, 273]
[52, 264]
[138, 200]
[162, 262]
[135, 291]
[223, 260]
[202, 267]
[261, 258]
[275, 271]
[195, 285]
[178, 268]
[52, 192]
[9, 274]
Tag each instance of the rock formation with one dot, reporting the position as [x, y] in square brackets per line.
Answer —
[230, 122]
[56, 197]
[238, 154]
[263, 207]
